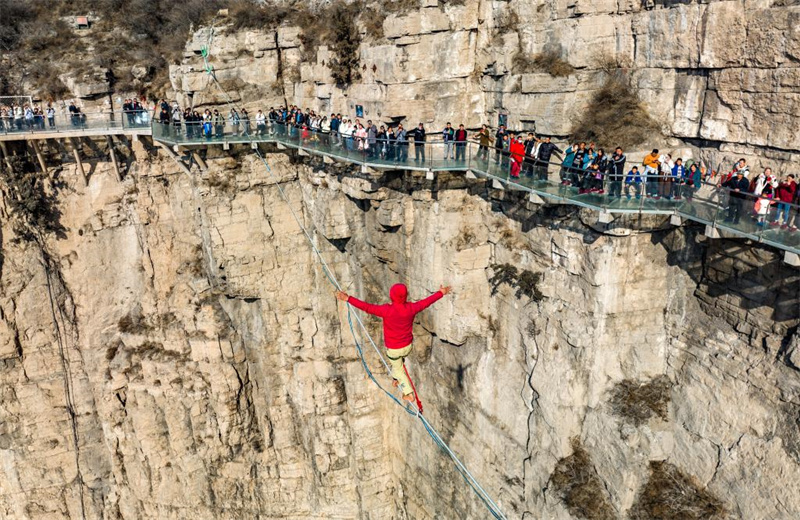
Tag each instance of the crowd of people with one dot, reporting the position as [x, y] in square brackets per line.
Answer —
[582, 167]
[135, 112]
[26, 117]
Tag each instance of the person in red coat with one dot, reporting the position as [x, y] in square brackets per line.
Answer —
[517, 150]
[785, 194]
[398, 321]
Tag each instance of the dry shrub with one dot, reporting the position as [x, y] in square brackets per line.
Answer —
[15, 14]
[669, 494]
[525, 282]
[615, 117]
[221, 182]
[638, 402]
[245, 14]
[133, 323]
[578, 484]
[47, 83]
[123, 33]
[399, 7]
[372, 20]
[508, 21]
[31, 198]
[372, 17]
[548, 61]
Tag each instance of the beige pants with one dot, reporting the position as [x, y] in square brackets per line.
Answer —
[396, 357]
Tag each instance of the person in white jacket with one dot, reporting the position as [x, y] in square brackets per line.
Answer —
[765, 183]
[665, 175]
[261, 123]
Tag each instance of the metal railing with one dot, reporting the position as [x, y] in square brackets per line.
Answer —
[75, 123]
[774, 222]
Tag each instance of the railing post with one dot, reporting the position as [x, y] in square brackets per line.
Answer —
[113, 158]
[76, 153]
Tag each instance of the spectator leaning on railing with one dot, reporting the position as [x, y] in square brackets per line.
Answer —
[584, 168]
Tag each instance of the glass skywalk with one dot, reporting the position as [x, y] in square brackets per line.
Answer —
[710, 205]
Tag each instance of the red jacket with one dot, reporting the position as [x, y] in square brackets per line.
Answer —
[786, 191]
[517, 150]
[398, 316]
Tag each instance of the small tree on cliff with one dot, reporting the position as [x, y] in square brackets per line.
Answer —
[30, 197]
[345, 40]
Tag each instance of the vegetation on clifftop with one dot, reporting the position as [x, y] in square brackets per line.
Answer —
[149, 34]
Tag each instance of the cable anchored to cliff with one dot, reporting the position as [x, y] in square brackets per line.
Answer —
[356, 332]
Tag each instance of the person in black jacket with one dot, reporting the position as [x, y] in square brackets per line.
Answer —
[616, 173]
[530, 155]
[546, 150]
[739, 186]
[498, 143]
[461, 143]
[419, 142]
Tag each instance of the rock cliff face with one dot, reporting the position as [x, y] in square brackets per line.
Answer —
[721, 78]
[178, 353]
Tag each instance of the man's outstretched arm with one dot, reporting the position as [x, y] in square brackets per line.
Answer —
[375, 310]
[430, 300]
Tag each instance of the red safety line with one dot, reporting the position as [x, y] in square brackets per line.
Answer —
[419, 403]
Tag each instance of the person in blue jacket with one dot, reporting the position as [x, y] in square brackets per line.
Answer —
[633, 183]
[566, 164]
[678, 179]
